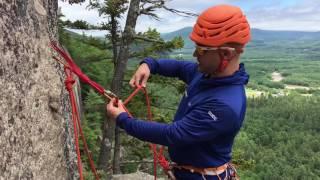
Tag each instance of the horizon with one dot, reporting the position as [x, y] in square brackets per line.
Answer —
[100, 33]
[318, 31]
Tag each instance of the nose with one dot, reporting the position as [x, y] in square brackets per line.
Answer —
[195, 54]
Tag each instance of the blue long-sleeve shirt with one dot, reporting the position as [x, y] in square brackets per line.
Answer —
[209, 116]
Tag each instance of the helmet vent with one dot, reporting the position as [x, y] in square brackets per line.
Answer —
[216, 34]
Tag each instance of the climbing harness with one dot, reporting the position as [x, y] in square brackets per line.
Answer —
[228, 169]
[72, 69]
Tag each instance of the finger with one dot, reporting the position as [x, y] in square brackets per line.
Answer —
[109, 108]
[132, 81]
[113, 102]
[144, 81]
[109, 105]
[117, 102]
[121, 106]
[137, 81]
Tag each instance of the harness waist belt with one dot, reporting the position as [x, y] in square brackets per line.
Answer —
[212, 171]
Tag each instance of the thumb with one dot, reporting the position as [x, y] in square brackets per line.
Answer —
[109, 105]
[132, 81]
[120, 104]
[112, 103]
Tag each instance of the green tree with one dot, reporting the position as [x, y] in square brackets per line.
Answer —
[114, 10]
[80, 24]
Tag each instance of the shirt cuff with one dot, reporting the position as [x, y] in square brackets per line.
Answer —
[150, 62]
[122, 119]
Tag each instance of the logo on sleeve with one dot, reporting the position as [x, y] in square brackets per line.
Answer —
[214, 117]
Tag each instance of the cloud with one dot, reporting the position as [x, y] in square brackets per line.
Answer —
[168, 22]
[299, 16]
[171, 22]
[79, 12]
[272, 14]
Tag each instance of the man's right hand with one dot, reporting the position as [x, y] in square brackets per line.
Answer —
[141, 76]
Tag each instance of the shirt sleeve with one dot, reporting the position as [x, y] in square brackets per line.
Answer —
[203, 123]
[184, 70]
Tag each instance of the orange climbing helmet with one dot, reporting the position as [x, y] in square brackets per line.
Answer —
[219, 25]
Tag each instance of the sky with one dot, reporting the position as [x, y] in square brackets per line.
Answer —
[298, 15]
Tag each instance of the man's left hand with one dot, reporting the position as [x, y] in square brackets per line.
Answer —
[114, 108]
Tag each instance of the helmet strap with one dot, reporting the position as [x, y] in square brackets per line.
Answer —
[223, 63]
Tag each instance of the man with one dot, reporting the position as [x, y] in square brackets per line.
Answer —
[212, 110]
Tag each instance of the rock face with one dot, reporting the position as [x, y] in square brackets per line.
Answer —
[34, 140]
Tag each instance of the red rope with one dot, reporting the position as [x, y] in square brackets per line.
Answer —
[157, 155]
[75, 69]
[77, 126]
[69, 82]
[70, 66]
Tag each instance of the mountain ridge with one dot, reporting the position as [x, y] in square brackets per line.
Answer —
[257, 34]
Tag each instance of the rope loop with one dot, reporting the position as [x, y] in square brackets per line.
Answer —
[69, 83]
